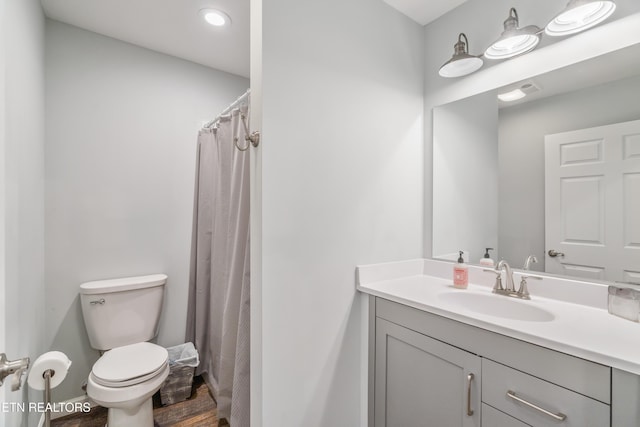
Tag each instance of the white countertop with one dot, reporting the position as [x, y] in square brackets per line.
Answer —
[581, 325]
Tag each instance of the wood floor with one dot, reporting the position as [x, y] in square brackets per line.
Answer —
[198, 411]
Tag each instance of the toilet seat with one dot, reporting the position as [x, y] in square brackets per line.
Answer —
[125, 397]
[129, 365]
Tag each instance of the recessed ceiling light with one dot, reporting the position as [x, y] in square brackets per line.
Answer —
[215, 17]
[512, 96]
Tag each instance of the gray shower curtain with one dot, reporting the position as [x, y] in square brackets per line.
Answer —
[218, 308]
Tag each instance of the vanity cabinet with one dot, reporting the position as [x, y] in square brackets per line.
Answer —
[421, 381]
[419, 376]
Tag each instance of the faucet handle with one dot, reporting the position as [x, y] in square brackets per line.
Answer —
[523, 291]
[498, 285]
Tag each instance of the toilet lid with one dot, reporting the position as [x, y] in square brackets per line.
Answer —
[129, 365]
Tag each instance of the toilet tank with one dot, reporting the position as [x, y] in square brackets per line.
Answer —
[119, 312]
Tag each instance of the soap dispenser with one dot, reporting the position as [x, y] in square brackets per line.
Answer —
[460, 273]
[486, 260]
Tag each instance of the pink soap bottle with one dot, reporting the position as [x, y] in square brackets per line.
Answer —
[460, 273]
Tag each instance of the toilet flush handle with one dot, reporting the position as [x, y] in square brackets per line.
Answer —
[101, 301]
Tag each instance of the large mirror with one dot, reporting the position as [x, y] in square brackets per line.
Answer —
[555, 170]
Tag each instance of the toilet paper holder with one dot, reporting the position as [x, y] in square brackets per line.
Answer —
[8, 367]
[47, 372]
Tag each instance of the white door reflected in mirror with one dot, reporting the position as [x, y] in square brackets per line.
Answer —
[592, 202]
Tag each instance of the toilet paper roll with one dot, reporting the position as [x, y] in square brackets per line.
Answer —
[57, 362]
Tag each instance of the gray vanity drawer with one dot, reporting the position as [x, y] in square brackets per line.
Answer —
[491, 417]
[580, 411]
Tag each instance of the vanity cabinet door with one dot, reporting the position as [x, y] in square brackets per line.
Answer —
[423, 382]
[625, 399]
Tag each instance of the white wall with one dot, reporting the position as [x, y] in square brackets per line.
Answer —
[255, 185]
[121, 128]
[22, 99]
[465, 172]
[342, 185]
[3, 225]
[521, 145]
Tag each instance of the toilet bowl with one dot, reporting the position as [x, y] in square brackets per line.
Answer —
[124, 380]
[121, 316]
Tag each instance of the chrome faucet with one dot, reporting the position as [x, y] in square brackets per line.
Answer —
[502, 265]
[509, 288]
[531, 259]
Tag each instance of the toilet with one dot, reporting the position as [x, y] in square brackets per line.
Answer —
[120, 316]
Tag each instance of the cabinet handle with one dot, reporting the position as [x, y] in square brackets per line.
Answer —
[469, 380]
[559, 416]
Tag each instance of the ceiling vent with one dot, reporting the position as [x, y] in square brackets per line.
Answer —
[530, 87]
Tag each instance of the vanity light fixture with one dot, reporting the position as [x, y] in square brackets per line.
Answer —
[215, 17]
[461, 63]
[579, 15]
[514, 40]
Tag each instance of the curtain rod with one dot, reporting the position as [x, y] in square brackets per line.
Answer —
[234, 104]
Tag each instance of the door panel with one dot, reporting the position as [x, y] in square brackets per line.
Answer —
[631, 213]
[582, 210]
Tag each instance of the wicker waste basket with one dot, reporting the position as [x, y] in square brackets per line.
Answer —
[183, 360]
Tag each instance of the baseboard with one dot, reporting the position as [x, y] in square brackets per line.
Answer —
[69, 407]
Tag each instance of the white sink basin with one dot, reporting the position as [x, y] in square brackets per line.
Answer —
[497, 305]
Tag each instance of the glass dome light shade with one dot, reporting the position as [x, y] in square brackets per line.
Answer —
[461, 63]
[579, 15]
[514, 40]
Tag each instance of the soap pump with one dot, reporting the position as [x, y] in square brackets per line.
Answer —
[486, 260]
[460, 273]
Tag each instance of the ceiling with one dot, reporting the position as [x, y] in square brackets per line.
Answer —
[173, 27]
[613, 66]
[423, 11]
